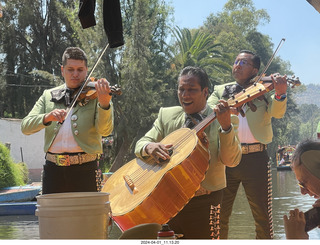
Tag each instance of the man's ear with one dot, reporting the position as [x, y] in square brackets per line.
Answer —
[206, 91]
[61, 70]
[255, 72]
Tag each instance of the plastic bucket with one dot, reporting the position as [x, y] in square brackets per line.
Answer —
[73, 215]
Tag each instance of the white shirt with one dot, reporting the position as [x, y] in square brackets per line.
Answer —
[64, 141]
[244, 132]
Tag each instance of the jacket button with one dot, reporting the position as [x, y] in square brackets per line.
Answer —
[76, 132]
[74, 117]
[74, 125]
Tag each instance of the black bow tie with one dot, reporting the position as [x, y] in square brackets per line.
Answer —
[62, 96]
[193, 119]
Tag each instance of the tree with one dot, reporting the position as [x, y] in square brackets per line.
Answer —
[34, 35]
[198, 48]
[142, 66]
[234, 28]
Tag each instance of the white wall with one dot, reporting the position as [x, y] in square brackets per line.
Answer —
[26, 147]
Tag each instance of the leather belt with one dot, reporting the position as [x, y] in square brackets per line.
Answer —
[202, 191]
[67, 160]
[251, 148]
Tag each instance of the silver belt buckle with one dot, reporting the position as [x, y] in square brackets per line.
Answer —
[63, 160]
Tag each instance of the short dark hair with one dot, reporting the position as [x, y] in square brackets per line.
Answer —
[198, 72]
[255, 59]
[306, 145]
[74, 53]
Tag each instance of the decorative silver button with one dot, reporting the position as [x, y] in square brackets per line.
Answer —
[74, 117]
[74, 125]
[76, 132]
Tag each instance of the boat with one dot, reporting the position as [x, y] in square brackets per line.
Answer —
[18, 208]
[284, 157]
[19, 200]
[19, 193]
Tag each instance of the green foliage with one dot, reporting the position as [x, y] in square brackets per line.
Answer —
[33, 36]
[198, 48]
[11, 174]
[138, 80]
[244, 15]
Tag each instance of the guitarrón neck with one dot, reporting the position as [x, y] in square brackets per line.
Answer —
[205, 122]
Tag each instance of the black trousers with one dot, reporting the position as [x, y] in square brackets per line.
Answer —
[254, 173]
[74, 178]
[199, 219]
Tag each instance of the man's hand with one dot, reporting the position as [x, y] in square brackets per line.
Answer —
[158, 150]
[295, 225]
[55, 115]
[222, 111]
[280, 84]
[103, 91]
[316, 204]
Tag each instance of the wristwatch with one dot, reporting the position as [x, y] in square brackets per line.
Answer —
[280, 97]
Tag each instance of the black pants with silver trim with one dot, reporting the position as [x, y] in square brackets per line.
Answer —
[254, 173]
[199, 219]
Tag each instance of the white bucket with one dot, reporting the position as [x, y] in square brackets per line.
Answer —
[74, 215]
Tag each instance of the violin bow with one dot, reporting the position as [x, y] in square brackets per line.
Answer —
[271, 58]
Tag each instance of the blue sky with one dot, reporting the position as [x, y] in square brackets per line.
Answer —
[295, 20]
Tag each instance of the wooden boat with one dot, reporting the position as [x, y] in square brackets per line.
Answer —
[19, 193]
[284, 157]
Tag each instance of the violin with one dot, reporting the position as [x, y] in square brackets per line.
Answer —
[256, 88]
[89, 92]
[294, 81]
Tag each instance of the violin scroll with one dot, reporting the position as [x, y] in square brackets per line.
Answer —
[294, 81]
[115, 90]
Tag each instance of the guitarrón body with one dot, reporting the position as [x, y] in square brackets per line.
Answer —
[147, 192]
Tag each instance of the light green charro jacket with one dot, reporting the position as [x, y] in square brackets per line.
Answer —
[225, 149]
[90, 123]
[259, 121]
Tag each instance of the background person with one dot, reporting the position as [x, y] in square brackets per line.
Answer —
[306, 166]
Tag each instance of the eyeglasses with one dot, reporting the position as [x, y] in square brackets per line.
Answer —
[242, 63]
[302, 186]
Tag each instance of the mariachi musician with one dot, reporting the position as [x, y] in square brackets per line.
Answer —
[255, 132]
[72, 150]
[199, 219]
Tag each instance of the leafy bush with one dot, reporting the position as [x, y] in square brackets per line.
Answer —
[11, 173]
